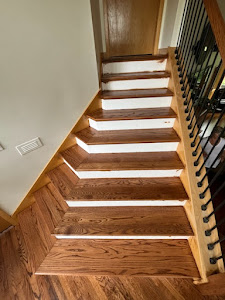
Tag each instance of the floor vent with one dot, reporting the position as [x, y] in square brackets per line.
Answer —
[29, 146]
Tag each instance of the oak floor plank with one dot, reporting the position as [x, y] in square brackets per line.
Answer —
[76, 154]
[89, 287]
[63, 179]
[138, 93]
[52, 206]
[124, 161]
[90, 136]
[72, 188]
[6, 270]
[135, 75]
[120, 257]
[36, 234]
[132, 114]
[125, 221]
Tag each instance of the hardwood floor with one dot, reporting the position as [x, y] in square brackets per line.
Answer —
[125, 221]
[132, 114]
[135, 75]
[18, 281]
[91, 136]
[160, 92]
[23, 248]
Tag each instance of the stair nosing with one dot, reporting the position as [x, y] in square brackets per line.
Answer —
[150, 95]
[133, 58]
[171, 114]
[128, 76]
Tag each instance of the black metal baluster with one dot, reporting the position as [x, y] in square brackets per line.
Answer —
[202, 195]
[207, 74]
[203, 148]
[181, 27]
[212, 245]
[190, 57]
[204, 206]
[209, 231]
[189, 36]
[212, 102]
[196, 67]
[209, 169]
[187, 16]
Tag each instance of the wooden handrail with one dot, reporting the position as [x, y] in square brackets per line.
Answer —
[217, 24]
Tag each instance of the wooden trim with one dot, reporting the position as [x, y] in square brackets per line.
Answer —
[199, 242]
[56, 159]
[218, 25]
[158, 27]
[106, 26]
[6, 220]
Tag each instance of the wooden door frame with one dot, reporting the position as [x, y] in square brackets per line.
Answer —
[157, 34]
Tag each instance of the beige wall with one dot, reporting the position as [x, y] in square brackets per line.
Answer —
[97, 27]
[48, 75]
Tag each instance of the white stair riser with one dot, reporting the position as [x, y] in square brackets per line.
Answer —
[136, 84]
[126, 148]
[134, 66]
[122, 237]
[132, 103]
[125, 203]
[128, 174]
[132, 124]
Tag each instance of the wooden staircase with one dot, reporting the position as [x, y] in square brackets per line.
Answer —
[121, 182]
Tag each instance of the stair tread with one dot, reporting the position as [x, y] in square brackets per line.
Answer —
[120, 257]
[134, 75]
[132, 114]
[124, 161]
[135, 58]
[75, 189]
[92, 137]
[139, 93]
[51, 205]
[125, 221]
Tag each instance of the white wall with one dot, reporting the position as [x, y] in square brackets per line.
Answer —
[48, 75]
[171, 20]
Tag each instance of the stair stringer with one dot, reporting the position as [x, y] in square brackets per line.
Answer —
[198, 243]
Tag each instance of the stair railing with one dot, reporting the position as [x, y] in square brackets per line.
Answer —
[200, 63]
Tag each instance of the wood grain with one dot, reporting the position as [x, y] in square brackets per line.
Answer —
[132, 114]
[161, 92]
[133, 76]
[52, 206]
[116, 189]
[125, 221]
[120, 257]
[193, 208]
[17, 269]
[215, 286]
[160, 57]
[36, 234]
[91, 136]
[124, 161]
[125, 37]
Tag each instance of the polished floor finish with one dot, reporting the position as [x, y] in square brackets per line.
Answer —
[24, 247]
